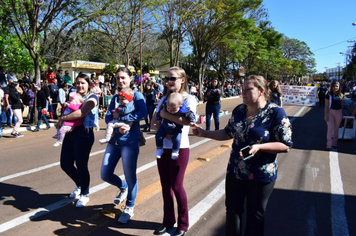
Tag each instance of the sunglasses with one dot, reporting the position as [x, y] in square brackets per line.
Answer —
[172, 78]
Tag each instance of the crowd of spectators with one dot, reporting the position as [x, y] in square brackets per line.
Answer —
[57, 86]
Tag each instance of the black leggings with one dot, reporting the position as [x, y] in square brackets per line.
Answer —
[256, 195]
[76, 148]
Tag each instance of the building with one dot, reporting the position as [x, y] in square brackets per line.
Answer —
[334, 73]
[86, 67]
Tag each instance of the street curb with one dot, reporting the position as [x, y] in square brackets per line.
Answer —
[28, 128]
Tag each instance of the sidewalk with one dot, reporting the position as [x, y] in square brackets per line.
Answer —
[52, 123]
[27, 127]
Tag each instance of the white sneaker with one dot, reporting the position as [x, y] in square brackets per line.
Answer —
[126, 215]
[120, 198]
[83, 200]
[75, 194]
[103, 140]
[159, 153]
[57, 143]
[175, 155]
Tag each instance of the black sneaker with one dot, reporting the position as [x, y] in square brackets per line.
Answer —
[14, 135]
[19, 135]
[48, 127]
[35, 130]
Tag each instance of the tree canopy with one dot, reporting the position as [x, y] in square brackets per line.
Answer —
[219, 35]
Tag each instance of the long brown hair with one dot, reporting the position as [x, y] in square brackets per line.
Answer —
[129, 73]
[338, 93]
[87, 79]
[278, 89]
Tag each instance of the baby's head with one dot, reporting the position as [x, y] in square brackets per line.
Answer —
[126, 95]
[174, 102]
[74, 98]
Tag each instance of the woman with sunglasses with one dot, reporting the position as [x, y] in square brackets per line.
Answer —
[171, 172]
[124, 144]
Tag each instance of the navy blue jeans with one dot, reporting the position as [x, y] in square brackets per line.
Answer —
[176, 137]
[150, 110]
[76, 149]
[256, 195]
[215, 109]
[129, 154]
[41, 117]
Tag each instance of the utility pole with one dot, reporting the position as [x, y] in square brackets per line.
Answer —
[141, 74]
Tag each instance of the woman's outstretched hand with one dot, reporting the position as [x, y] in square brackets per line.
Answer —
[197, 130]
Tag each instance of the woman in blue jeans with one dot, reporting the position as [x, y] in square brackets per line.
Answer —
[77, 144]
[125, 147]
[212, 97]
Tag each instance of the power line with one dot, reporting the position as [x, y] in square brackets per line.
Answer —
[333, 44]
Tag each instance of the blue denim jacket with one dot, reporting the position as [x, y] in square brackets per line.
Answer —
[91, 119]
[140, 113]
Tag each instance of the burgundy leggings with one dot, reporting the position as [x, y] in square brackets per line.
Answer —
[171, 173]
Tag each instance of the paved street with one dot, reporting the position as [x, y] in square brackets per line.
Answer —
[315, 192]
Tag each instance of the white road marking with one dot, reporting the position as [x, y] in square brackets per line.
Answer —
[339, 223]
[44, 210]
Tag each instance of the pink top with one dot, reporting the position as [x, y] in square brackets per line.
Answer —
[70, 109]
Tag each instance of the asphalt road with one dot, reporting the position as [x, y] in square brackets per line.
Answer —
[314, 193]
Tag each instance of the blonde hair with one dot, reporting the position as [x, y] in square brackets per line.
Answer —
[261, 83]
[128, 91]
[174, 99]
[181, 73]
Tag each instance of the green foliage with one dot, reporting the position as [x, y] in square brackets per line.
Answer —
[14, 53]
[110, 68]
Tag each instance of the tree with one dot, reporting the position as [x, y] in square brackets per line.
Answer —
[14, 53]
[265, 55]
[300, 57]
[30, 19]
[217, 22]
[174, 19]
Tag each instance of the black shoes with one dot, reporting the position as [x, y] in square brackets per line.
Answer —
[179, 232]
[48, 127]
[35, 130]
[161, 230]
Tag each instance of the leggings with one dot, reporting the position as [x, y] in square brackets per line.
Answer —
[76, 149]
[171, 174]
[256, 195]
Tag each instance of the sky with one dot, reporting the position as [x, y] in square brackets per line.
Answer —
[324, 25]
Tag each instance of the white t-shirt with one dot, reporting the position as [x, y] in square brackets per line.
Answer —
[101, 78]
[191, 102]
